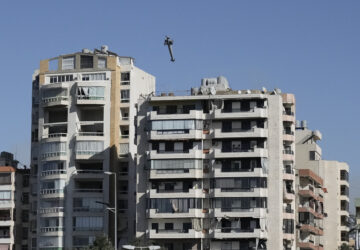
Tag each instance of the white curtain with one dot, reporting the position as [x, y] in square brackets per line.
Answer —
[5, 195]
[68, 63]
[89, 146]
[53, 147]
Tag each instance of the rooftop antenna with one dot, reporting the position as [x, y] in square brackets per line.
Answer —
[169, 43]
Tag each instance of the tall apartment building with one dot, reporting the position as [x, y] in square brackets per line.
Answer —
[335, 196]
[215, 169]
[82, 134]
[310, 210]
[14, 204]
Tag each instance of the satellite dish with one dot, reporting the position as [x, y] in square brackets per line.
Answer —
[212, 91]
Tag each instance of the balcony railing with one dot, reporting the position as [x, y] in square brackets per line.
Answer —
[54, 99]
[88, 190]
[53, 154]
[237, 130]
[288, 152]
[5, 236]
[88, 209]
[51, 191]
[91, 133]
[237, 189]
[50, 210]
[287, 132]
[51, 229]
[236, 209]
[54, 135]
[236, 230]
[237, 149]
[173, 231]
[87, 152]
[53, 172]
[173, 112]
[87, 228]
[288, 113]
[90, 97]
[5, 218]
[235, 110]
[178, 190]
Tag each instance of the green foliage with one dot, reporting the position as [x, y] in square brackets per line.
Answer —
[345, 247]
[101, 243]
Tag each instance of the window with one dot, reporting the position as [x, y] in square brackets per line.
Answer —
[101, 62]
[5, 195]
[25, 198]
[94, 77]
[68, 63]
[314, 156]
[125, 78]
[175, 164]
[155, 226]
[88, 223]
[61, 78]
[86, 62]
[125, 95]
[25, 233]
[89, 147]
[90, 93]
[186, 227]
[5, 178]
[169, 226]
[344, 175]
[288, 226]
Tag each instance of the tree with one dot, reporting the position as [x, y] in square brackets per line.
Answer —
[101, 243]
[344, 246]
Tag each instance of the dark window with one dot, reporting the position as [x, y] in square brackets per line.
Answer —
[125, 76]
[288, 226]
[86, 62]
[186, 226]
[344, 175]
[155, 226]
[171, 109]
[312, 155]
[169, 226]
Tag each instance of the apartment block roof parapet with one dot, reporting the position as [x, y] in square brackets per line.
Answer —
[7, 169]
[357, 202]
[312, 175]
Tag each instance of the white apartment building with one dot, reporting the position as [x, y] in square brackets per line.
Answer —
[82, 142]
[215, 169]
[7, 207]
[335, 196]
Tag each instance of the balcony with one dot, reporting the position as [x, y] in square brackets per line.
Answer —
[239, 212]
[184, 134]
[176, 173]
[52, 193]
[55, 101]
[90, 131]
[180, 114]
[238, 233]
[239, 192]
[288, 155]
[89, 149]
[51, 211]
[53, 174]
[309, 191]
[288, 116]
[288, 98]
[234, 153]
[308, 209]
[241, 133]
[178, 193]
[174, 234]
[176, 154]
[52, 231]
[307, 227]
[288, 136]
[220, 171]
[191, 213]
[238, 113]
[88, 229]
[90, 93]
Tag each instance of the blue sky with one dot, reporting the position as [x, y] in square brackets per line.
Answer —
[309, 48]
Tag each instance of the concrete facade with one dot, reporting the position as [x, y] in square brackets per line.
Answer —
[82, 121]
[14, 204]
[215, 169]
[335, 195]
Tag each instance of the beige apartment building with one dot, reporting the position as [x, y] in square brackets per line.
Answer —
[82, 143]
[14, 204]
[215, 169]
[328, 206]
